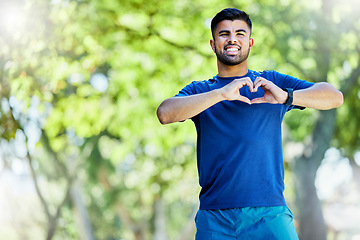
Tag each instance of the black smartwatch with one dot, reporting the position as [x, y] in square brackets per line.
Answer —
[289, 99]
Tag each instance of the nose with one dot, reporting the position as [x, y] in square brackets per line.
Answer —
[232, 39]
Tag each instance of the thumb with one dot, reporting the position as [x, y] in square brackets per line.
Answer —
[258, 100]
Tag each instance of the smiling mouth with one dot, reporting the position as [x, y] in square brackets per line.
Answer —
[232, 49]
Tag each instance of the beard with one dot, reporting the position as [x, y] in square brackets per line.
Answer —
[232, 60]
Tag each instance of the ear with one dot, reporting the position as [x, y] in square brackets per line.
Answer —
[251, 43]
[212, 44]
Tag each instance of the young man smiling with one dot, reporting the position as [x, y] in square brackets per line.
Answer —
[238, 115]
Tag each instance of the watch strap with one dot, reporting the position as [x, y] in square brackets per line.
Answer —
[289, 99]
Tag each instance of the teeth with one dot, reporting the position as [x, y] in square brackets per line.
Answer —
[231, 49]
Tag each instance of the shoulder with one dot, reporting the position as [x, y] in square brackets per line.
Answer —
[203, 85]
[204, 82]
[283, 80]
[196, 87]
[271, 74]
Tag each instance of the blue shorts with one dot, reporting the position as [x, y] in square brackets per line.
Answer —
[246, 223]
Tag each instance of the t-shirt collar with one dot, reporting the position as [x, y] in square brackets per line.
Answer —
[248, 74]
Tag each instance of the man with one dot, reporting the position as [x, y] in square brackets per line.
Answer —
[238, 115]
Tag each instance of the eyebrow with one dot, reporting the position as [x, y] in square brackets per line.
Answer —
[227, 31]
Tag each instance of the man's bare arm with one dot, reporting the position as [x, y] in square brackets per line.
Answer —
[321, 96]
[177, 109]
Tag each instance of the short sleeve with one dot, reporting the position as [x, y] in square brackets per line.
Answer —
[287, 81]
[187, 90]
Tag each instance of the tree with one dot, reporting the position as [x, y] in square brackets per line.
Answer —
[96, 72]
[314, 48]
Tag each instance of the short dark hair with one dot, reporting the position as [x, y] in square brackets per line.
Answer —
[230, 14]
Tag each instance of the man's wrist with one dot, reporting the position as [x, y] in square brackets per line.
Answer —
[219, 95]
[290, 97]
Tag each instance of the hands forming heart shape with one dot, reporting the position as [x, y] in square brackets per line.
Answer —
[273, 94]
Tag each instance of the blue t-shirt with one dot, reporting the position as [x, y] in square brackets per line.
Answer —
[239, 147]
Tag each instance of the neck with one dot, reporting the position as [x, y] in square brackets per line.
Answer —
[232, 71]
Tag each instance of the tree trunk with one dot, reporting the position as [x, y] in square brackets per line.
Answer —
[81, 213]
[189, 229]
[310, 217]
[138, 234]
[160, 220]
[356, 171]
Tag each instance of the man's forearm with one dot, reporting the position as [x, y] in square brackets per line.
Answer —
[321, 96]
[177, 109]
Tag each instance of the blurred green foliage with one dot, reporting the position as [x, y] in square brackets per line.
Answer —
[97, 70]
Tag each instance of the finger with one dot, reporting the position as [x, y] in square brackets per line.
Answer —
[257, 79]
[263, 83]
[246, 81]
[258, 83]
[258, 100]
[244, 99]
[250, 84]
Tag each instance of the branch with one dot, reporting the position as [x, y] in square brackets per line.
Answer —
[32, 171]
[301, 70]
[188, 47]
[153, 32]
[352, 80]
[46, 142]
[54, 219]
[33, 175]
